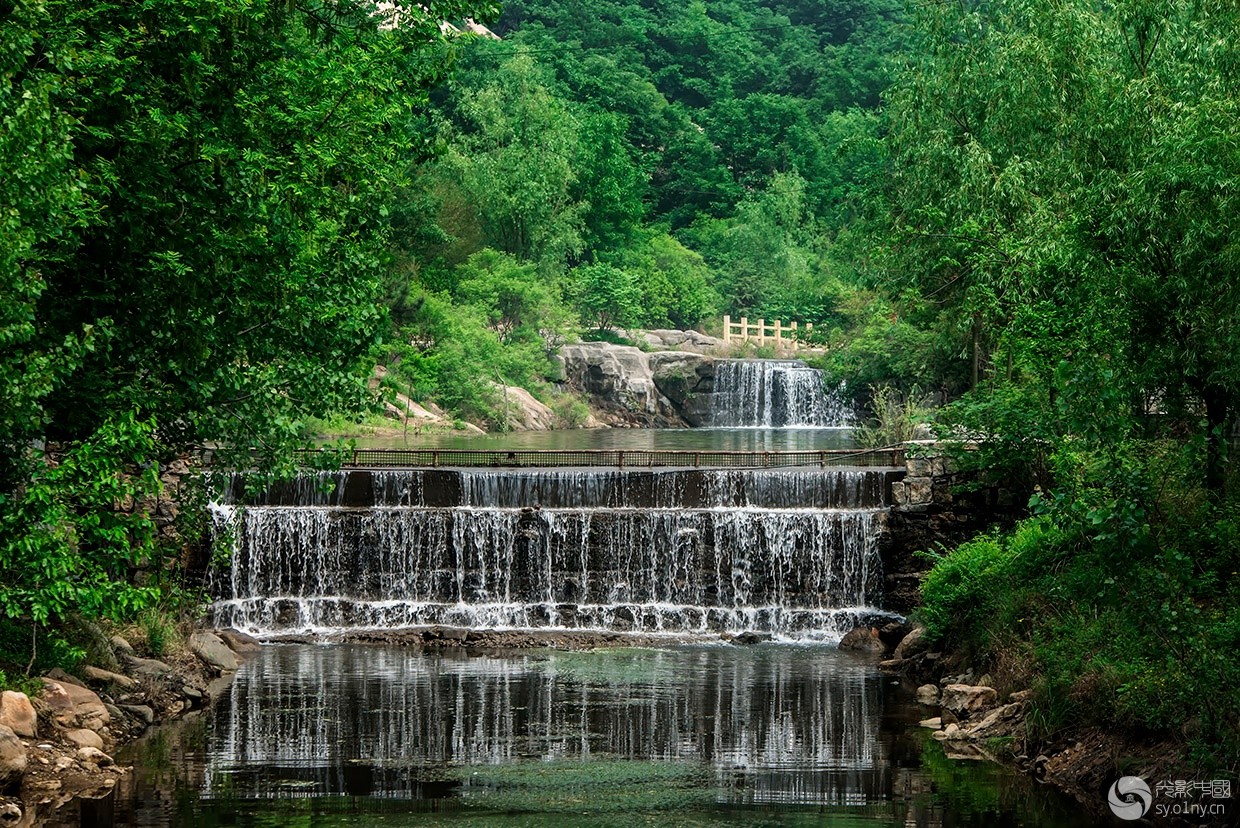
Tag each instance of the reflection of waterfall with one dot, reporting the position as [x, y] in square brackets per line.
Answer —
[769, 393]
[790, 551]
[776, 726]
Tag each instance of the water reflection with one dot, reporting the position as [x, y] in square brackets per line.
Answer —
[367, 736]
[364, 721]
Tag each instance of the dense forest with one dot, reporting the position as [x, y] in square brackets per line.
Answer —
[217, 219]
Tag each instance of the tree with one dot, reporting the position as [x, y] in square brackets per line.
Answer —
[1064, 178]
[194, 201]
[607, 295]
[511, 163]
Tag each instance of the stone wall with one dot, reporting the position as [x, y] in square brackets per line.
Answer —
[936, 506]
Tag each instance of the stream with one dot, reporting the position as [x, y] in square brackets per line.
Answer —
[337, 734]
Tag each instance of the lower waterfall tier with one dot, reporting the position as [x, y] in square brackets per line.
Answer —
[315, 569]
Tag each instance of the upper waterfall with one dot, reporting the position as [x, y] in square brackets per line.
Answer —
[775, 393]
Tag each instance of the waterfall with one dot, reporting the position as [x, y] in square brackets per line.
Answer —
[770, 393]
[790, 552]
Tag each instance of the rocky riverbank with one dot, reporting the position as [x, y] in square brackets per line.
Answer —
[976, 718]
[58, 742]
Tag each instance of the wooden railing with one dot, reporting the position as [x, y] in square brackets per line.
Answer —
[639, 458]
[785, 337]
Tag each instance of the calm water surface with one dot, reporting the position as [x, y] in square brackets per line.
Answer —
[700, 736]
[631, 439]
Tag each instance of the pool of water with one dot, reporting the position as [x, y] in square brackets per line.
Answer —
[771, 735]
[626, 439]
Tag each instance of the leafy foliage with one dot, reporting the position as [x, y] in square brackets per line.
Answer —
[192, 215]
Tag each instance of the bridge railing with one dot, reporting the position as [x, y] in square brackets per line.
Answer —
[627, 459]
[783, 336]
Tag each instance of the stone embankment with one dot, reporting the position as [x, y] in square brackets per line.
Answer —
[936, 506]
[59, 742]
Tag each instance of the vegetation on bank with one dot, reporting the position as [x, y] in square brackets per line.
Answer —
[1070, 173]
[196, 217]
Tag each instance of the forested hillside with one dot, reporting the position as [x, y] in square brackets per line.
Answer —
[622, 164]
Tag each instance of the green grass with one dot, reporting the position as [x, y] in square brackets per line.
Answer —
[1137, 633]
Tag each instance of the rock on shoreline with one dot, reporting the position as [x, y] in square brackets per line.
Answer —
[978, 721]
[59, 744]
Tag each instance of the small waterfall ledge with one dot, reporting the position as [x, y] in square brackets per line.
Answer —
[791, 552]
[771, 393]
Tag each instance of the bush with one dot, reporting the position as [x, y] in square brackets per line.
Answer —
[1117, 600]
[894, 417]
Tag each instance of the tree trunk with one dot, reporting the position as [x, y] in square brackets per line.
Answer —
[977, 350]
[1217, 411]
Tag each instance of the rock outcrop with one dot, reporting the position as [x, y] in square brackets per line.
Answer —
[17, 714]
[967, 701]
[619, 381]
[214, 652]
[687, 380]
[863, 640]
[522, 412]
[627, 386]
[698, 343]
[12, 759]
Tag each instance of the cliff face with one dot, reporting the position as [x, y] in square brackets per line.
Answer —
[627, 386]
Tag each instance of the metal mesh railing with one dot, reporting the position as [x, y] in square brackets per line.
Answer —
[638, 458]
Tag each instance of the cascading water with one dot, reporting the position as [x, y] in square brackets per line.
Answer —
[775, 393]
[790, 552]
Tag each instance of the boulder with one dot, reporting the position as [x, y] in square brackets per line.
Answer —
[928, 694]
[121, 645]
[213, 651]
[1002, 721]
[84, 738]
[140, 712]
[17, 714]
[617, 377]
[934, 724]
[912, 644]
[967, 700]
[94, 756]
[687, 380]
[862, 640]
[893, 632]
[57, 674]
[239, 642]
[523, 412]
[72, 705]
[12, 759]
[682, 341]
[147, 667]
[99, 676]
[751, 637]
